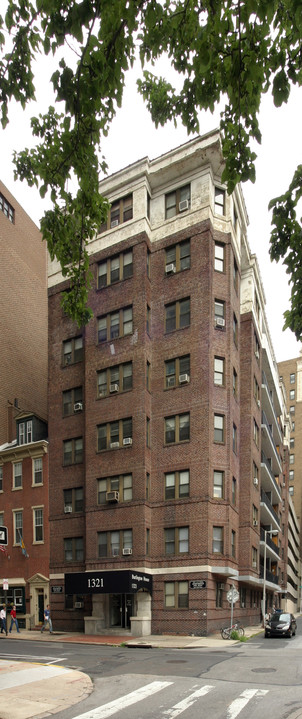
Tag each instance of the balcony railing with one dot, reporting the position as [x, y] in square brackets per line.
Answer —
[269, 576]
[265, 461]
[269, 541]
[264, 498]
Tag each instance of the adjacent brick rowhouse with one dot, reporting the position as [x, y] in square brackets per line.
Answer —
[214, 538]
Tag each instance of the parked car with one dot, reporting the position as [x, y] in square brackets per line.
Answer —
[280, 625]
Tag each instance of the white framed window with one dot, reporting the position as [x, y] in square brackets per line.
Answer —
[38, 524]
[1, 478]
[18, 525]
[17, 475]
[38, 471]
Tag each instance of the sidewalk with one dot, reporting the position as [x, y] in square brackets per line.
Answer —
[29, 690]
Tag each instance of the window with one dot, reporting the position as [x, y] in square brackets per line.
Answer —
[219, 594]
[114, 434]
[219, 206]
[292, 409]
[177, 428]
[292, 378]
[178, 257]
[18, 525]
[147, 541]
[38, 524]
[291, 491]
[73, 500]
[121, 211]
[255, 471]
[148, 432]
[25, 432]
[233, 544]
[74, 549]
[219, 314]
[256, 433]
[235, 329]
[115, 269]
[115, 324]
[38, 471]
[219, 428]
[7, 209]
[218, 540]
[72, 351]
[293, 425]
[234, 492]
[114, 379]
[17, 475]
[292, 442]
[291, 458]
[291, 475]
[148, 320]
[148, 376]
[242, 591]
[112, 544]
[292, 394]
[177, 201]
[147, 485]
[218, 485]
[177, 540]
[235, 383]
[235, 276]
[255, 516]
[1, 479]
[73, 451]
[176, 595]
[177, 315]
[219, 371]
[235, 448]
[2, 519]
[177, 484]
[256, 390]
[148, 264]
[256, 347]
[121, 483]
[219, 257]
[177, 371]
[72, 401]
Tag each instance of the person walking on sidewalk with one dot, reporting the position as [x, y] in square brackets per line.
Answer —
[14, 620]
[3, 619]
[47, 620]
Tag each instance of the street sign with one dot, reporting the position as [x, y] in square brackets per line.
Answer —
[198, 584]
[5, 585]
[232, 596]
[3, 535]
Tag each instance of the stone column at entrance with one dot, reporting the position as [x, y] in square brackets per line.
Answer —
[141, 624]
[96, 623]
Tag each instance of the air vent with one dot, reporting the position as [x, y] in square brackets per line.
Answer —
[112, 496]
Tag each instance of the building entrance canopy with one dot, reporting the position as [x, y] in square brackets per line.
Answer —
[123, 582]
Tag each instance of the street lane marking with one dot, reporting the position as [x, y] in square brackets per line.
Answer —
[34, 673]
[187, 703]
[238, 704]
[127, 700]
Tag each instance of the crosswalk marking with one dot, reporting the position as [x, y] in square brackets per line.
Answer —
[241, 701]
[112, 707]
[186, 703]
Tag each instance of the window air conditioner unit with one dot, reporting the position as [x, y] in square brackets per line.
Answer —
[256, 354]
[114, 223]
[112, 496]
[68, 508]
[127, 550]
[255, 522]
[79, 605]
[127, 441]
[254, 565]
[170, 268]
[256, 481]
[219, 322]
[115, 552]
[171, 381]
[183, 378]
[78, 406]
[183, 205]
[114, 388]
[220, 585]
[114, 445]
[258, 402]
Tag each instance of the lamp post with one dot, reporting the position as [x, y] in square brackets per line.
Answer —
[272, 532]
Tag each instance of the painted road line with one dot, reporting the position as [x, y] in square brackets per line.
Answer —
[187, 703]
[127, 700]
[238, 704]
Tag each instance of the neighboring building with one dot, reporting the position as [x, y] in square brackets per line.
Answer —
[166, 420]
[291, 376]
[23, 316]
[24, 511]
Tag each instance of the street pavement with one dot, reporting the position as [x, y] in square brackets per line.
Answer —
[39, 690]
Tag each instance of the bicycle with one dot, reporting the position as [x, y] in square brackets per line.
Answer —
[226, 632]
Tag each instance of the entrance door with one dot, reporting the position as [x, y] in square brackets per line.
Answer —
[41, 605]
[121, 609]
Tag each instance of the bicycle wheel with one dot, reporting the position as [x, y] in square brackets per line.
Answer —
[240, 631]
[225, 633]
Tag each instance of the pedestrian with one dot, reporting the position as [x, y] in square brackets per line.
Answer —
[3, 619]
[47, 620]
[14, 620]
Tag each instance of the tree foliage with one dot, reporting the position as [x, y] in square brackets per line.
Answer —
[235, 51]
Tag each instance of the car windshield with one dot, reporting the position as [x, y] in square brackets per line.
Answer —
[280, 618]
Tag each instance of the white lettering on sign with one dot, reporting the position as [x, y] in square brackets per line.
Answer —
[95, 582]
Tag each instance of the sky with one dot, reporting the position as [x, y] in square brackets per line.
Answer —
[133, 136]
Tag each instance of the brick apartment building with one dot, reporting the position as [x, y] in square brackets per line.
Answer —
[23, 411]
[166, 420]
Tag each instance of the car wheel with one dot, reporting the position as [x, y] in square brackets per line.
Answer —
[266, 636]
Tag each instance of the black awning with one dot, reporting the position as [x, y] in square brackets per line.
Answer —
[113, 582]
